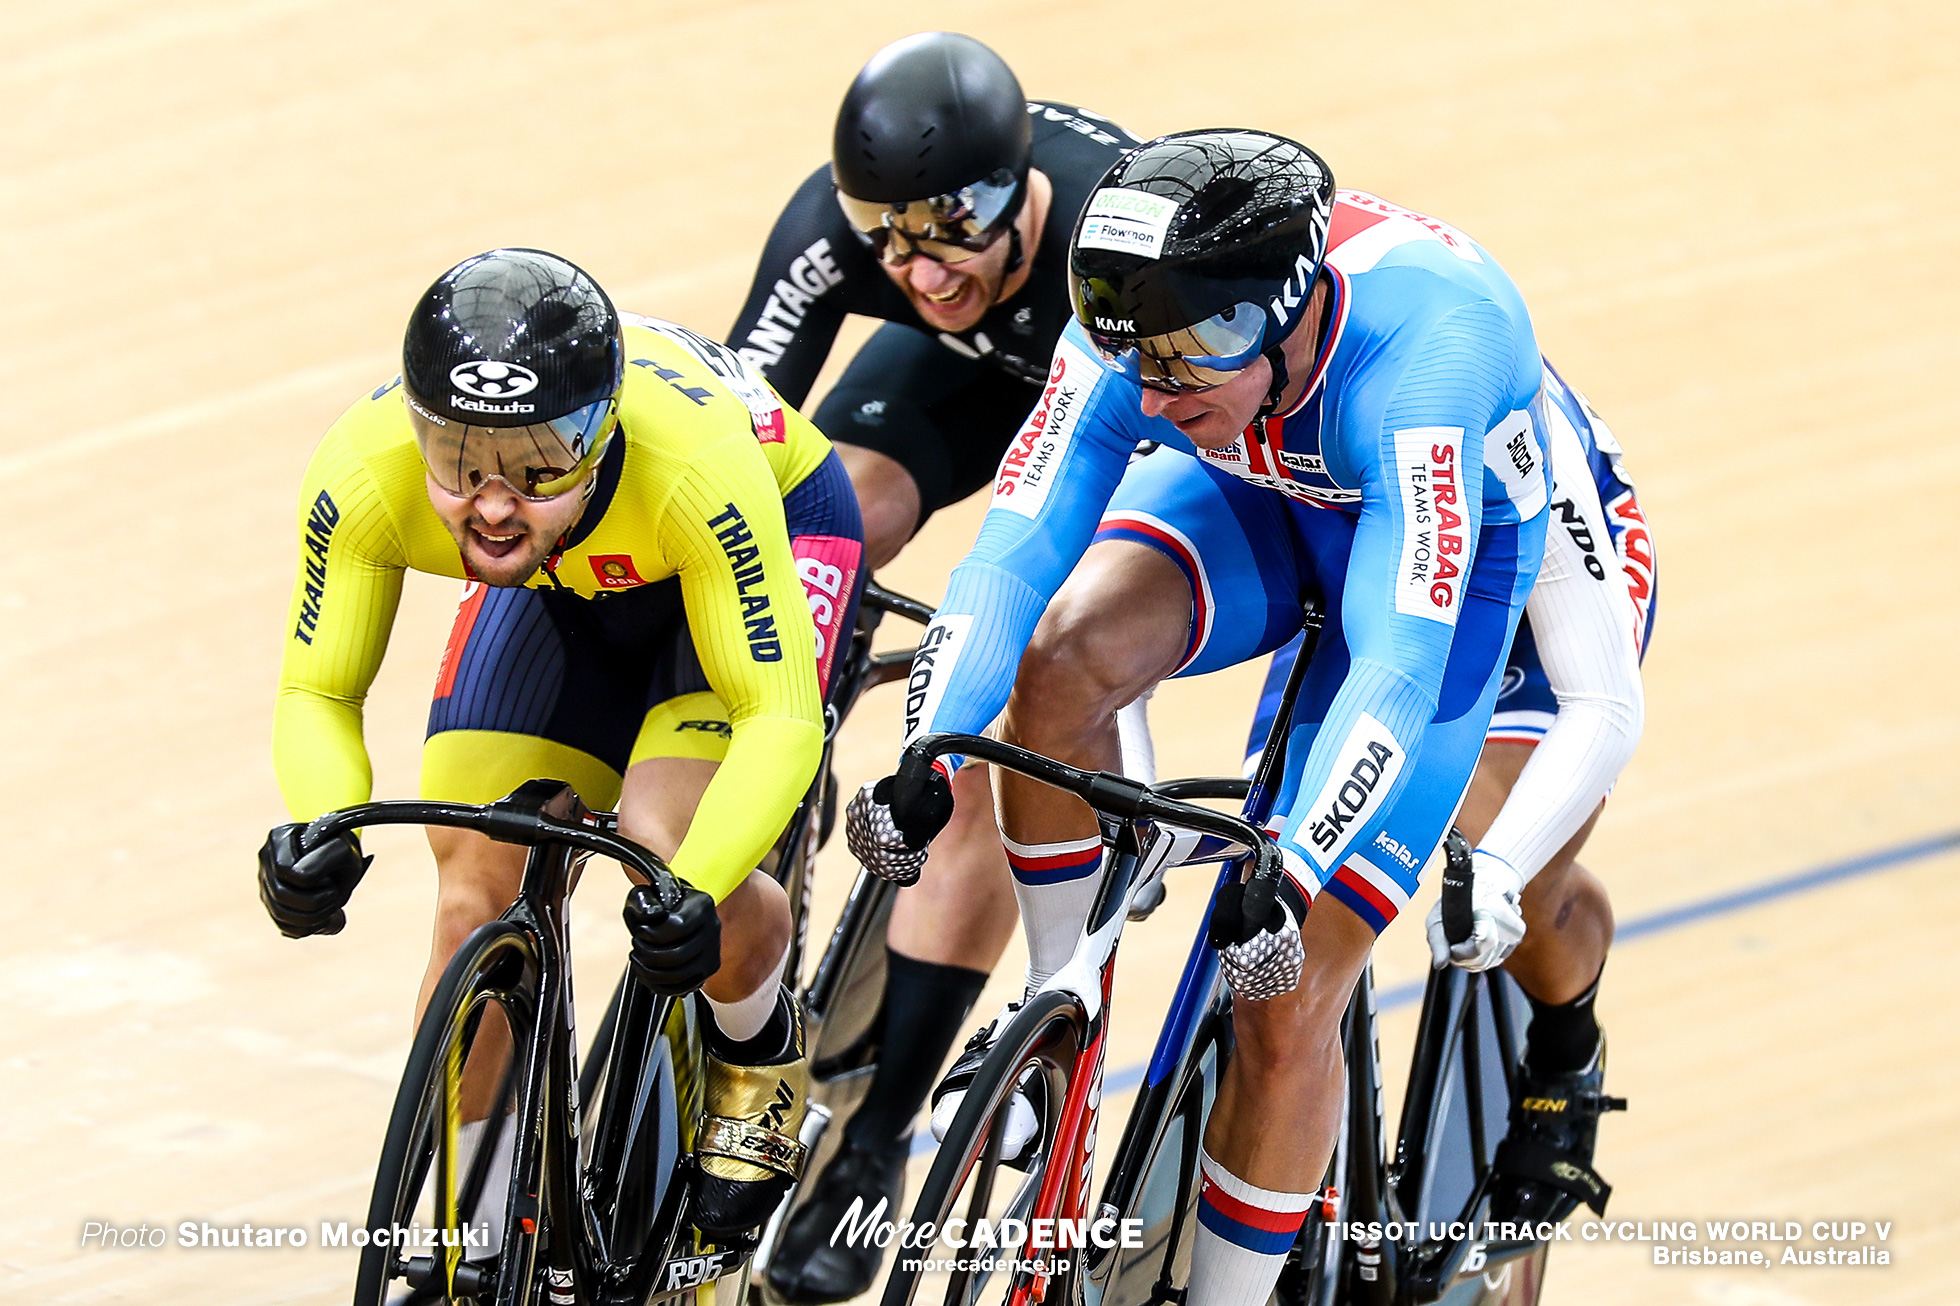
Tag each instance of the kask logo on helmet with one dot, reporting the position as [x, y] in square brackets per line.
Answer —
[487, 379]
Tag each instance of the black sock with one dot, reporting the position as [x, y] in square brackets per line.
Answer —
[926, 1006]
[1563, 1037]
[770, 1045]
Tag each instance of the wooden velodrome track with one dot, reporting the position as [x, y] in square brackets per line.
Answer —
[1734, 225]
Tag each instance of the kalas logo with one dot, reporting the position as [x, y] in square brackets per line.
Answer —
[487, 379]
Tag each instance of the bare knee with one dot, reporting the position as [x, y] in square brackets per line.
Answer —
[973, 804]
[1566, 894]
[888, 501]
[1295, 1033]
[755, 929]
[1117, 628]
[476, 880]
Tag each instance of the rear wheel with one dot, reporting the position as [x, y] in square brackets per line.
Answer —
[1451, 1131]
[969, 1181]
[429, 1178]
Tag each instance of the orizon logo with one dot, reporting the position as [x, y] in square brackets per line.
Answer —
[489, 379]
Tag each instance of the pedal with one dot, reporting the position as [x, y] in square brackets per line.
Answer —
[473, 1278]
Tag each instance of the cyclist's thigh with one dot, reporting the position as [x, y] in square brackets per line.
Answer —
[1377, 881]
[683, 717]
[531, 686]
[893, 399]
[1234, 544]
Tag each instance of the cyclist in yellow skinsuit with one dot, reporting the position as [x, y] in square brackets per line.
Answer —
[662, 558]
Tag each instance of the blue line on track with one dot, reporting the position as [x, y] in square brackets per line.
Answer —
[1670, 918]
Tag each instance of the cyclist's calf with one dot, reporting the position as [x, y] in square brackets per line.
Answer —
[1568, 929]
[476, 879]
[1279, 1106]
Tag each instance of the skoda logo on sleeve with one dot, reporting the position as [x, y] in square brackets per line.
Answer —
[485, 379]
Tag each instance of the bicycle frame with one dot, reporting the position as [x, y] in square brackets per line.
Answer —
[849, 978]
[1085, 981]
[594, 1202]
[1451, 1121]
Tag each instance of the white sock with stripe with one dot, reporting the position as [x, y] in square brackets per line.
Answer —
[1055, 885]
[1244, 1232]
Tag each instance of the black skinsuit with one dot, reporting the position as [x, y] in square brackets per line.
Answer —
[944, 406]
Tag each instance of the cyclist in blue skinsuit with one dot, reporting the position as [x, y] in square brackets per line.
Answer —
[1568, 716]
[1346, 399]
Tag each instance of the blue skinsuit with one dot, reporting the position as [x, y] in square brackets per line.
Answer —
[1405, 492]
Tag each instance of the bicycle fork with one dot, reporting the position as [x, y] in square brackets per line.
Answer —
[1064, 1191]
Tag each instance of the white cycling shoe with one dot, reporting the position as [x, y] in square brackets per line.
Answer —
[1023, 1120]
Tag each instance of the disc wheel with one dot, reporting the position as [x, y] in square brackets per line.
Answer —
[428, 1178]
[969, 1181]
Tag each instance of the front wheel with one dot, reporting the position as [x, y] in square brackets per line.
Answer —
[968, 1180]
[429, 1179]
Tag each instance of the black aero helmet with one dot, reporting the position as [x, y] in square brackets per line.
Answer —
[1197, 252]
[512, 367]
[932, 141]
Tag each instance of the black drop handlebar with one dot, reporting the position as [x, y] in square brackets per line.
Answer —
[1120, 798]
[538, 812]
[879, 598]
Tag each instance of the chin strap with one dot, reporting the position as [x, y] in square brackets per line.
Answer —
[1014, 259]
[1277, 358]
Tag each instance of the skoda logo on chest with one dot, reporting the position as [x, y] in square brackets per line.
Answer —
[485, 379]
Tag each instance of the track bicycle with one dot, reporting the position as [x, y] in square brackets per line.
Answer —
[601, 1167]
[1369, 1239]
[843, 998]
[597, 1205]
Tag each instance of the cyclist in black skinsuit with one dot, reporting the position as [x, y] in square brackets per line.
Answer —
[946, 211]
[941, 403]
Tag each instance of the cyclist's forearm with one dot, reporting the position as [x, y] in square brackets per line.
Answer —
[1579, 630]
[1362, 757]
[968, 657]
[767, 769]
[318, 753]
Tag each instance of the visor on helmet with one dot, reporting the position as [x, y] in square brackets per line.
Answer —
[945, 228]
[539, 461]
[1202, 356]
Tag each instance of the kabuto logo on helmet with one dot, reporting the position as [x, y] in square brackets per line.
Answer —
[489, 379]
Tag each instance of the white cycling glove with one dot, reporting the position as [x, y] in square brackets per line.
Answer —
[1497, 921]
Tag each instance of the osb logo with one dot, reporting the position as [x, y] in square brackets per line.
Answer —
[614, 571]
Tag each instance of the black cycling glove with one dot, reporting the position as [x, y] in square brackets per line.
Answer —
[674, 952]
[304, 891]
[920, 809]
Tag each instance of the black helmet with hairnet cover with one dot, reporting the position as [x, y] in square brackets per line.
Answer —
[1197, 253]
[512, 365]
